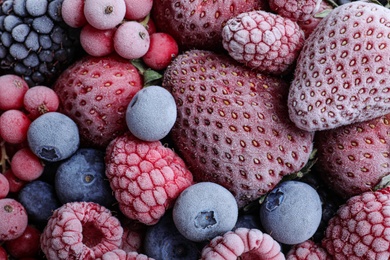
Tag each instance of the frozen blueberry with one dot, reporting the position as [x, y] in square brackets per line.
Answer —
[248, 221]
[291, 212]
[205, 210]
[82, 178]
[40, 200]
[164, 241]
[151, 113]
[53, 136]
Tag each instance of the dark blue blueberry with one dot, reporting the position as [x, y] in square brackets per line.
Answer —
[82, 178]
[53, 137]
[248, 221]
[40, 200]
[164, 241]
[291, 212]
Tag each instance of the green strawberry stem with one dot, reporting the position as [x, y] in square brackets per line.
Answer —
[384, 182]
[150, 77]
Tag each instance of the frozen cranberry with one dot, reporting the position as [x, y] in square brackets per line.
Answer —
[26, 245]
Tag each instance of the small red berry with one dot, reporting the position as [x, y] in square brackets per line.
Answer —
[26, 165]
[97, 42]
[26, 245]
[39, 100]
[13, 126]
[137, 9]
[4, 187]
[163, 48]
[104, 14]
[13, 217]
[72, 12]
[3, 254]
[15, 184]
[131, 40]
[12, 90]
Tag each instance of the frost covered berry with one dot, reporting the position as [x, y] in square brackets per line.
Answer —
[263, 40]
[104, 14]
[13, 217]
[359, 228]
[146, 177]
[81, 230]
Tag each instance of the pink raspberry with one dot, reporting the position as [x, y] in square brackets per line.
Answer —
[133, 235]
[243, 243]
[81, 230]
[296, 10]
[264, 41]
[360, 228]
[146, 177]
[307, 250]
[119, 254]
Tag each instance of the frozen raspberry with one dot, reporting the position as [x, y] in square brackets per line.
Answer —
[14, 219]
[146, 177]
[80, 230]
[133, 235]
[243, 243]
[296, 10]
[307, 250]
[360, 228]
[263, 40]
[119, 254]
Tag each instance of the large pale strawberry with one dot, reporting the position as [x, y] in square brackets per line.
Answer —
[352, 159]
[198, 23]
[95, 92]
[233, 126]
[342, 73]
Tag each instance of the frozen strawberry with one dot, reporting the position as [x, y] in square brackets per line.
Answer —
[341, 76]
[95, 92]
[264, 41]
[307, 250]
[232, 125]
[310, 24]
[146, 177]
[359, 229]
[353, 159]
[198, 23]
[80, 230]
[296, 10]
[243, 243]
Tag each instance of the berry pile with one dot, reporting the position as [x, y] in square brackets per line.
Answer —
[194, 129]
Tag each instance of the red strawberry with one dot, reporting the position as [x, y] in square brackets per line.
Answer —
[146, 177]
[198, 23]
[232, 126]
[341, 75]
[262, 40]
[352, 159]
[360, 229]
[95, 93]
